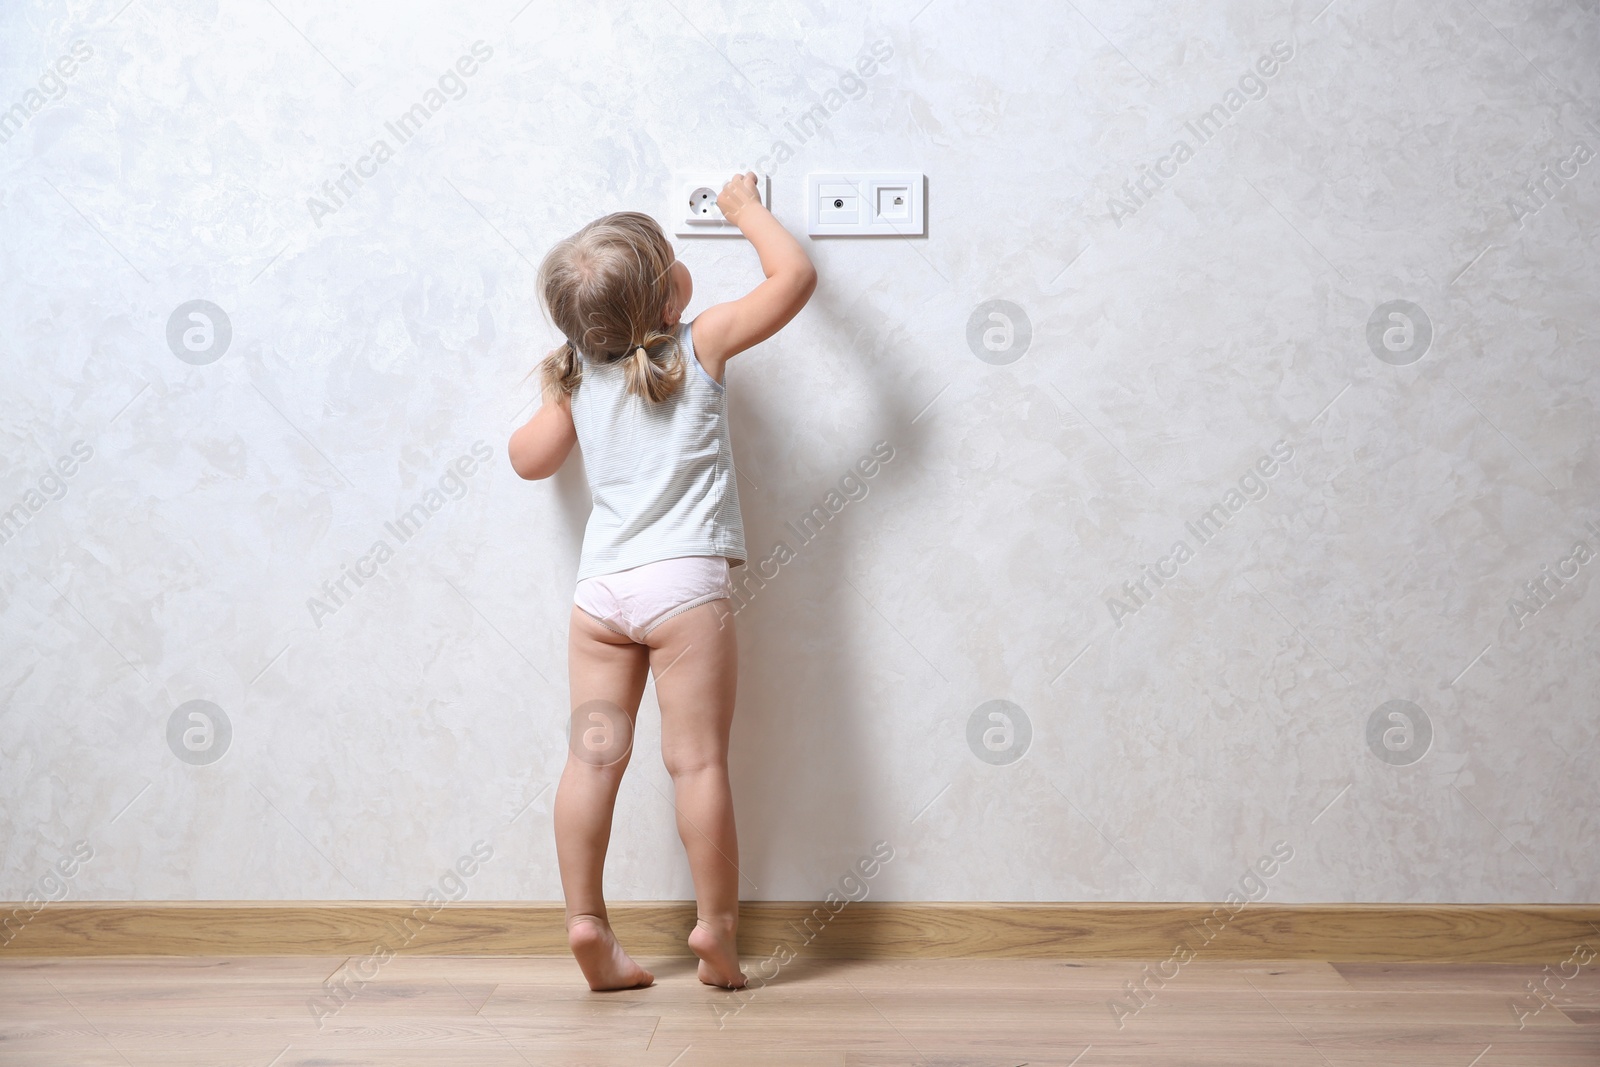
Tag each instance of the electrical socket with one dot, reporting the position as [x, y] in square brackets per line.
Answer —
[694, 211]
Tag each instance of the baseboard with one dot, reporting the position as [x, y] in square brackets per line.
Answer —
[1454, 933]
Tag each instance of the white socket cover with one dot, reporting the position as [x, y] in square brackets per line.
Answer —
[694, 212]
[879, 204]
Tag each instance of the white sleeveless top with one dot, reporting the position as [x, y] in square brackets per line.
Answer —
[661, 474]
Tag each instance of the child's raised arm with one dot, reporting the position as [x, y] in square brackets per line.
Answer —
[724, 330]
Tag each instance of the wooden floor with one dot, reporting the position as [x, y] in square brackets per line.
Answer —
[487, 1012]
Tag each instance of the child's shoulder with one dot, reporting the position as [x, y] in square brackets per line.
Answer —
[712, 368]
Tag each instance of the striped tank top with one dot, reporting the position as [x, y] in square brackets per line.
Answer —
[661, 474]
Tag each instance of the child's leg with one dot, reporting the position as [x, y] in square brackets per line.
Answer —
[695, 661]
[603, 666]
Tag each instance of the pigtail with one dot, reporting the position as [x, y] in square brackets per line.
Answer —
[560, 372]
[655, 367]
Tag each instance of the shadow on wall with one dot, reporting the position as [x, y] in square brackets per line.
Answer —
[802, 769]
[572, 497]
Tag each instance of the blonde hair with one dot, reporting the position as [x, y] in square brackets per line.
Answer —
[606, 288]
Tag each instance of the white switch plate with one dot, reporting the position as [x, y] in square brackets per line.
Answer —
[694, 211]
[866, 205]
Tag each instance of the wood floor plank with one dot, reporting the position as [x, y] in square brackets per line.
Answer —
[1204, 1012]
[485, 1012]
[1458, 975]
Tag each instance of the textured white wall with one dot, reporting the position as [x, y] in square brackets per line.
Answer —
[1175, 338]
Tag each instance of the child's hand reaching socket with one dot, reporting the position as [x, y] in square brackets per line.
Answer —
[736, 195]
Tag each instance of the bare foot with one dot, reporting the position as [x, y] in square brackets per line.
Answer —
[719, 954]
[600, 958]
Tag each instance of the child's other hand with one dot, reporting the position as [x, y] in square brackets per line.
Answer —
[736, 195]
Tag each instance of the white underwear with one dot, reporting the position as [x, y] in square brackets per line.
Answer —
[635, 601]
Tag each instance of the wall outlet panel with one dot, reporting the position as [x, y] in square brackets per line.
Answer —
[694, 212]
[881, 204]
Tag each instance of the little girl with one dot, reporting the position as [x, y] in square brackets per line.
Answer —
[642, 392]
